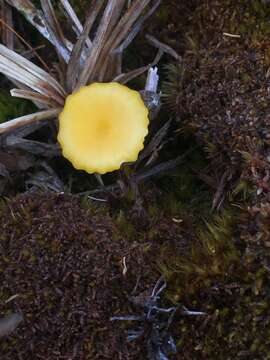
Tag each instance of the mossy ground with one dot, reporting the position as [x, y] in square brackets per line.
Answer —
[63, 257]
[220, 93]
[64, 261]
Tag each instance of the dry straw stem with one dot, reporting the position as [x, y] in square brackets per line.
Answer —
[28, 73]
[98, 44]
[32, 15]
[29, 119]
[95, 56]
[34, 97]
[72, 17]
[6, 17]
[118, 25]
[45, 23]
[111, 33]
[74, 64]
[165, 48]
[62, 45]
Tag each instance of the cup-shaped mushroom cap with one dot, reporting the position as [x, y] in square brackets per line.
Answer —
[102, 126]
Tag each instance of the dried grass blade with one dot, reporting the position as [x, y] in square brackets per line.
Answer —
[31, 13]
[112, 62]
[24, 87]
[36, 18]
[31, 68]
[33, 96]
[72, 16]
[163, 47]
[123, 27]
[61, 49]
[6, 16]
[124, 78]
[63, 46]
[28, 119]
[130, 37]
[113, 68]
[18, 74]
[51, 18]
[32, 147]
[98, 44]
[116, 14]
[78, 28]
[138, 25]
[31, 49]
[75, 58]
[155, 143]
[121, 31]
[107, 69]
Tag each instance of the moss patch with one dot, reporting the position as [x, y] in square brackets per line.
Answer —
[66, 265]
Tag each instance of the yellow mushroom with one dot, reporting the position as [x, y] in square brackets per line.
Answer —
[102, 126]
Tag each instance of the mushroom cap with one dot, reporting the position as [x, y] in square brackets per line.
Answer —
[102, 126]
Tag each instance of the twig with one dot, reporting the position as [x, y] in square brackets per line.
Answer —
[220, 191]
[142, 176]
[165, 48]
[163, 167]
[26, 44]
[6, 15]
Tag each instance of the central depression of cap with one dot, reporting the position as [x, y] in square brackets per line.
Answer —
[102, 126]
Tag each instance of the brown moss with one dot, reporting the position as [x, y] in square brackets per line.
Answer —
[66, 265]
[220, 90]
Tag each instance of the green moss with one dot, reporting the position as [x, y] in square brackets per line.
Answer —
[217, 275]
[210, 256]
